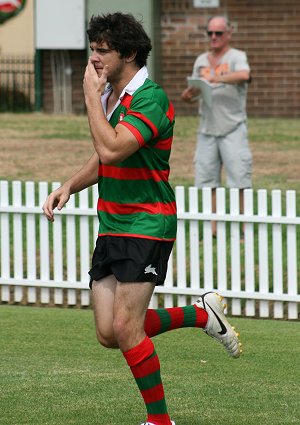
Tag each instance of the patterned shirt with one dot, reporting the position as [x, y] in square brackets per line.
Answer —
[135, 197]
[228, 100]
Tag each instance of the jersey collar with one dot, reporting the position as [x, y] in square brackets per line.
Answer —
[136, 82]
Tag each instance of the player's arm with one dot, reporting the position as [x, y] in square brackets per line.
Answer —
[112, 145]
[85, 177]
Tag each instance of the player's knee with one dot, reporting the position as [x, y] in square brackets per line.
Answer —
[106, 340]
[121, 329]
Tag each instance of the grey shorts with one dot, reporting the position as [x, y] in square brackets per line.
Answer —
[232, 151]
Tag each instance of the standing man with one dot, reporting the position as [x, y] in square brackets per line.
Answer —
[222, 136]
[131, 123]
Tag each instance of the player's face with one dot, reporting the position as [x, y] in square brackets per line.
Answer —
[102, 55]
[218, 34]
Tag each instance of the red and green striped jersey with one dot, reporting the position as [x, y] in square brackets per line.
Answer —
[135, 197]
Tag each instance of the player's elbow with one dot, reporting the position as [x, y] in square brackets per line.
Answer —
[111, 157]
[108, 158]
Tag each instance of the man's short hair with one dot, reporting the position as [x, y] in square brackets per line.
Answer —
[226, 19]
[123, 33]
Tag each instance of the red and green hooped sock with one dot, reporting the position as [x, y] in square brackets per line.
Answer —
[163, 320]
[145, 367]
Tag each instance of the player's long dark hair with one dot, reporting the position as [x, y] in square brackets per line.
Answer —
[123, 33]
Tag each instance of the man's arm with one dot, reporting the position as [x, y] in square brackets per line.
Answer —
[236, 77]
[112, 145]
[85, 177]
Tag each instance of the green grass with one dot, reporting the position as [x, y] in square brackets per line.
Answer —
[274, 130]
[53, 372]
[43, 126]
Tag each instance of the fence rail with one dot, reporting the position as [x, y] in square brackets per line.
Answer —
[252, 262]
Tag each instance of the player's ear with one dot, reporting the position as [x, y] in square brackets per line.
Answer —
[131, 57]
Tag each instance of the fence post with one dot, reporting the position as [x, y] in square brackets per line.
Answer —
[44, 244]
[194, 241]
[18, 240]
[235, 250]
[249, 252]
[181, 244]
[71, 251]
[207, 240]
[85, 254]
[31, 240]
[277, 253]
[263, 251]
[292, 282]
[4, 240]
[57, 253]
[221, 240]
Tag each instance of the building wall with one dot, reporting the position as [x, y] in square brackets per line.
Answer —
[269, 32]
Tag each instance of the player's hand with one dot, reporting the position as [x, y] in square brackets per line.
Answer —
[56, 199]
[92, 82]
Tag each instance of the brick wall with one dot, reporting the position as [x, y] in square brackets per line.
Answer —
[269, 32]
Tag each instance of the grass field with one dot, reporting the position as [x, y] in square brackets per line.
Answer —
[53, 372]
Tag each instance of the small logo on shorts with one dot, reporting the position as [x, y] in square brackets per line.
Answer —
[150, 269]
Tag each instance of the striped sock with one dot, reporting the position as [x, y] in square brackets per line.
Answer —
[145, 367]
[163, 320]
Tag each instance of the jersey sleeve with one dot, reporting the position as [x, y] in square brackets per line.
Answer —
[149, 118]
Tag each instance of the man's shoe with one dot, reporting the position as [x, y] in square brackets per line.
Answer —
[217, 325]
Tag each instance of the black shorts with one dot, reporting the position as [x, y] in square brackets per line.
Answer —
[130, 259]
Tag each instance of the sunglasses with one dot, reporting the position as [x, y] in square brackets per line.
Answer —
[217, 33]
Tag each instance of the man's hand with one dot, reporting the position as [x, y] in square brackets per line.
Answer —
[56, 199]
[190, 94]
[92, 83]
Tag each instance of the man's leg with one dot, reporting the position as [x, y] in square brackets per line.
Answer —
[208, 167]
[237, 158]
[120, 315]
[202, 315]
[162, 320]
[103, 296]
[207, 313]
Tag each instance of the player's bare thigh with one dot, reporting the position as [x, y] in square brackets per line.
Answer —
[103, 295]
[131, 303]
[119, 311]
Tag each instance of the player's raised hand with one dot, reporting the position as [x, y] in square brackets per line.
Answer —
[92, 82]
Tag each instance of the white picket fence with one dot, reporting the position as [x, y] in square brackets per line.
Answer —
[47, 264]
